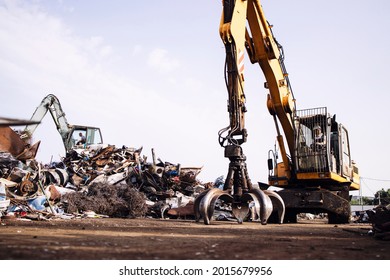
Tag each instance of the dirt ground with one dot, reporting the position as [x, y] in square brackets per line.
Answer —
[153, 239]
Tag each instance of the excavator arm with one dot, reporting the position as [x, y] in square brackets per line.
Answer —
[52, 104]
[243, 27]
[19, 144]
[238, 189]
[69, 133]
[234, 78]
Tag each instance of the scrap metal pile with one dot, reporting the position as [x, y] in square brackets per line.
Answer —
[105, 182]
[380, 220]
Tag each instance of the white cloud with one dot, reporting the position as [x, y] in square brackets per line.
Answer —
[136, 50]
[42, 46]
[162, 61]
[96, 45]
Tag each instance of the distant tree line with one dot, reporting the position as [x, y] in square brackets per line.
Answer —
[381, 197]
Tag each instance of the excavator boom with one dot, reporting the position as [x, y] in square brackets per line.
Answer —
[49, 104]
[238, 189]
[256, 39]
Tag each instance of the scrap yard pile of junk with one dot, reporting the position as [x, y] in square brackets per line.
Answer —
[108, 182]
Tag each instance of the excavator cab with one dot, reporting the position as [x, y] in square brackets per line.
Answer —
[321, 153]
[73, 136]
[312, 143]
[83, 136]
[322, 147]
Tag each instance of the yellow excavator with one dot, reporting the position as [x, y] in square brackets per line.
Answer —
[316, 171]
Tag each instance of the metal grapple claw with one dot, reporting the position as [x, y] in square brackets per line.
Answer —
[277, 203]
[238, 190]
[240, 211]
[255, 207]
[265, 202]
[205, 203]
[197, 204]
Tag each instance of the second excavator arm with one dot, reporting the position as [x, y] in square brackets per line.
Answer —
[52, 104]
[69, 133]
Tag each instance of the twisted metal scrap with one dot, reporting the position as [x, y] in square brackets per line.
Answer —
[265, 202]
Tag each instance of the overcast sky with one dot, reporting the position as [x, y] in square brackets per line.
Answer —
[150, 74]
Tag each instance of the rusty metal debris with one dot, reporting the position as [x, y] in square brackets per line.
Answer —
[380, 220]
[11, 142]
[112, 181]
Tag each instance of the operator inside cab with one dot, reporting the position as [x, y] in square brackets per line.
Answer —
[82, 139]
[79, 137]
[319, 138]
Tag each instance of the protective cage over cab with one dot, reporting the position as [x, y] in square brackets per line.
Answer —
[322, 147]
